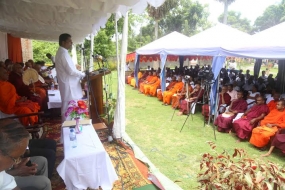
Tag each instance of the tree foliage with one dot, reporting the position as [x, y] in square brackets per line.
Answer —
[226, 6]
[41, 48]
[272, 16]
[235, 21]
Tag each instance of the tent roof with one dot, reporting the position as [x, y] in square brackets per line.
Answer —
[269, 43]
[206, 43]
[47, 19]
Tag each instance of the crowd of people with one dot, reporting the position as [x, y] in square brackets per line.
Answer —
[249, 106]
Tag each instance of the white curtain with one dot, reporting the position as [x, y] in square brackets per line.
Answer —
[120, 121]
[3, 47]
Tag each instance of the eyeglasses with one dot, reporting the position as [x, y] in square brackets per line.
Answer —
[16, 160]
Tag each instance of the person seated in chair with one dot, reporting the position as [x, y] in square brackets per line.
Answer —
[273, 103]
[145, 88]
[12, 103]
[181, 96]
[269, 126]
[252, 95]
[278, 141]
[167, 95]
[224, 99]
[224, 121]
[250, 119]
[171, 85]
[196, 94]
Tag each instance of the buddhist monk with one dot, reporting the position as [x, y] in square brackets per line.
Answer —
[133, 80]
[196, 94]
[181, 96]
[153, 88]
[150, 83]
[16, 78]
[28, 65]
[129, 78]
[278, 141]
[143, 78]
[167, 95]
[146, 81]
[272, 104]
[171, 84]
[250, 119]
[269, 126]
[224, 99]
[224, 121]
[11, 103]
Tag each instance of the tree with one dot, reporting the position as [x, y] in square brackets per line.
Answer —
[41, 48]
[226, 6]
[188, 17]
[272, 16]
[235, 21]
[158, 13]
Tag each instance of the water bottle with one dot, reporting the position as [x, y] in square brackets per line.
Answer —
[52, 86]
[72, 137]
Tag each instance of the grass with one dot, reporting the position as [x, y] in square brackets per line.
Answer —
[176, 154]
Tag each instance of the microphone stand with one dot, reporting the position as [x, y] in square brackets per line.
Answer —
[87, 66]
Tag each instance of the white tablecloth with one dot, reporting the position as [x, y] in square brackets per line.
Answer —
[54, 99]
[87, 165]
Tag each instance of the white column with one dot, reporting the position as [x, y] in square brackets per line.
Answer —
[91, 53]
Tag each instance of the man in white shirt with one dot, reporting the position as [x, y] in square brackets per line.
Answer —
[68, 77]
[232, 92]
[51, 58]
[14, 139]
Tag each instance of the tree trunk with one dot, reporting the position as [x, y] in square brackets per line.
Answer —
[226, 5]
[156, 29]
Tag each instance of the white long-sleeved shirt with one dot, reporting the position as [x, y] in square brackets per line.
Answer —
[7, 182]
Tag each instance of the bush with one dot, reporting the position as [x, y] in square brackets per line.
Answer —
[238, 171]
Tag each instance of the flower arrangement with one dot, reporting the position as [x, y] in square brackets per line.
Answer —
[77, 109]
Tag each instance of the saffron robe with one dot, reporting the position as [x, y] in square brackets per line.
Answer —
[133, 80]
[8, 104]
[159, 93]
[261, 135]
[243, 127]
[272, 105]
[225, 123]
[177, 97]
[152, 88]
[141, 80]
[148, 79]
[167, 95]
[147, 86]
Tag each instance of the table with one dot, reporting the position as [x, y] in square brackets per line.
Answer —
[54, 99]
[87, 165]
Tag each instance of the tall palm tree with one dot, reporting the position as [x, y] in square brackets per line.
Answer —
[226, 5]
[159, 12]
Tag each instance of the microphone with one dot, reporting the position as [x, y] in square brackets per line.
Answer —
[99, 57]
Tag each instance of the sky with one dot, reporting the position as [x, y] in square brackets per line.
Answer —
[250, 9]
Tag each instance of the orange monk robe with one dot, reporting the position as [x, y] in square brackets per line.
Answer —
[147, 86]
[148, 79]
[176, 97]
[133, 81]
[272, 105]
[142, 79]
[261, 135]
[8, 104]
[129, 78]
[159, 93]
[152, 88]
[167, 95]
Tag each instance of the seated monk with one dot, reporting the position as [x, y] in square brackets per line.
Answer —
[167, 95]
[11, 103]
[171, 84]
[146, 81]
[272, 104]
[269, 126]
[224, 121]
[147, 85]
[196, 94]
[181, 96]
[151, 91]
[224, 99]
[133, 80]
[143, 78]
[278, 141]
[129, 78]
[15, 78]
[28, 65]
[250, 119]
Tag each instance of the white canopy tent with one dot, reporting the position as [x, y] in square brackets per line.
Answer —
[269, 44]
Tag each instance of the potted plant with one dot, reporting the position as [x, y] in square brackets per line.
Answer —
[108, 117]
[238, 171]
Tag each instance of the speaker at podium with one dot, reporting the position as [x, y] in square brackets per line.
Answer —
[96, 94]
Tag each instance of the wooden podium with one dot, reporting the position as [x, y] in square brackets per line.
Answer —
[96, 95]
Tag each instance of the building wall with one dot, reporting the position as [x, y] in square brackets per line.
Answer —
[27, 49]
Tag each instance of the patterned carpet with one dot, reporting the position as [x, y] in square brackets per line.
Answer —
[131, 172]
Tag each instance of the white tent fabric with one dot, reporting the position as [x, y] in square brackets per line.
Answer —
[269, 44]
[47, 19]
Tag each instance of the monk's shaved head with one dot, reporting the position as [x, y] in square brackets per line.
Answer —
[282, 102]
[260, 100]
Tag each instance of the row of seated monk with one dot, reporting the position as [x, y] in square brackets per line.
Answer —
[181, 96]
[16, 97]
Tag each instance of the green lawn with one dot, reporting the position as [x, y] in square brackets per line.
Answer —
[176, 154]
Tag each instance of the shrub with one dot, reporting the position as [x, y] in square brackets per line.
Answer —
[238, 172]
